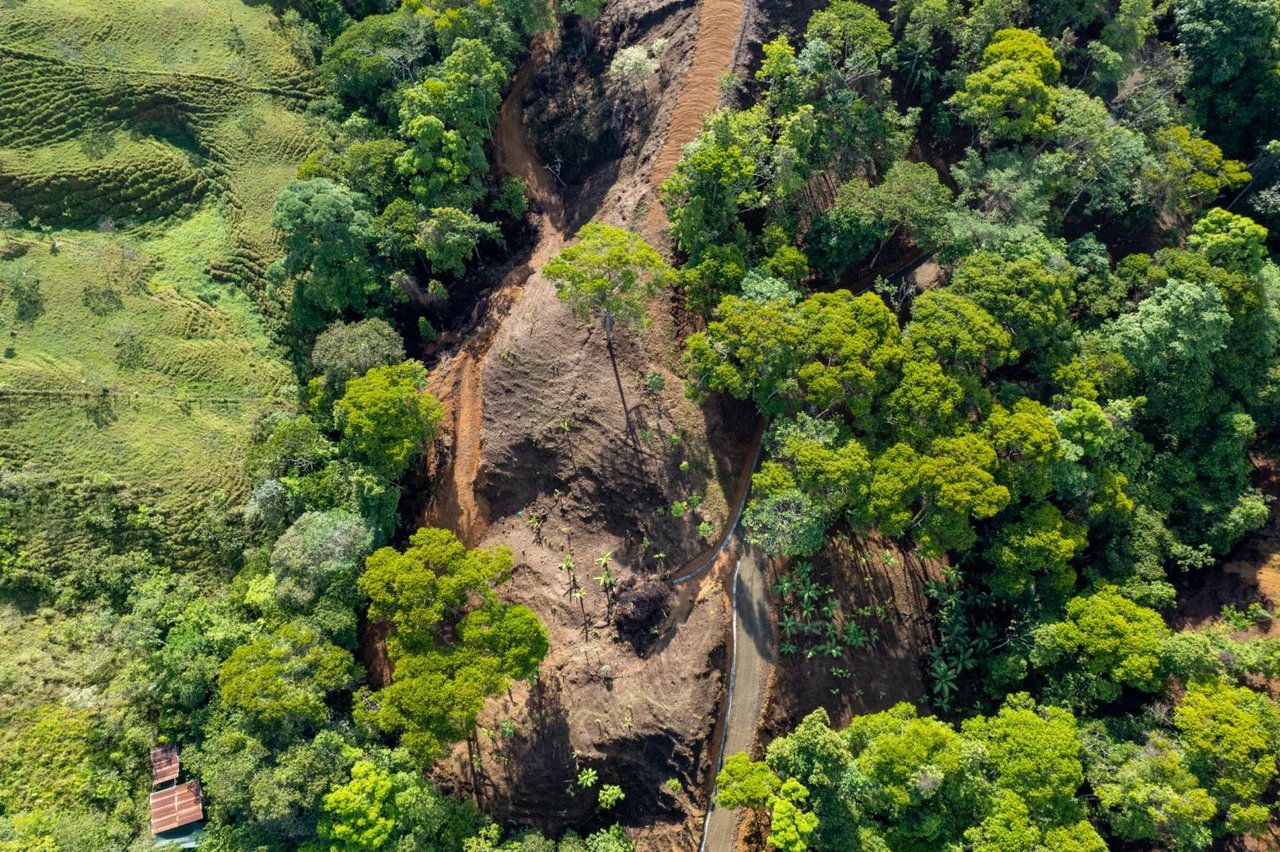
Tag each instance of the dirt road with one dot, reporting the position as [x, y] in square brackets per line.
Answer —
[719, 28]
[459, 382]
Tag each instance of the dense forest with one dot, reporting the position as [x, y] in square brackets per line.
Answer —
[995, 275]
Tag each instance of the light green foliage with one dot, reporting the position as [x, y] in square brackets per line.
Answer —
[834, 350]
[891, 780]
[1110, 637]
[715, 180]
[926, 403]
[1230, 736]
[609, 273]
[280, 681]
[951, 331]
[449, 116]
[1035, 753]
[923, 782]
[956, 485]
[453, 642]
[1232, 242]
[1188, 172]
[359, 814]
[386, 417]
[789, 825]
[1032, 556]
[610, 795]
[854, 31]
[744, 783]
[1011, 95]
[326, 234]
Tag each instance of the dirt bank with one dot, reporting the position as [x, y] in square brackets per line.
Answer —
[874, 577]
[715, 51]
[458, 381]
[536, 457]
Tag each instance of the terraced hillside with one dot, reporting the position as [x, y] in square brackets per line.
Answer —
[142, 145]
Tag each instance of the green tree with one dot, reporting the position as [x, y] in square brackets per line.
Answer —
[1230, 736]
[607, 273]
[281, 681]
[855, 31]
[744, 783]
[453, 641]
[1233, 49]
[910, 202]
[1024, 295]
[327, 234]
[1110, 637]
[319, 551]
[1146, 792]
[1012, 96]
[449, 238]
[360, 814]
[1236, 243]
[386, 417]
[346, 350]
[1035, 753]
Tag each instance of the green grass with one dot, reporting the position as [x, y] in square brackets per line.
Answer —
[150, 138]
[138, 369]
[223, 38]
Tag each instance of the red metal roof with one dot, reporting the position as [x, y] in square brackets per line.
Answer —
[164, 764]
[174, 807]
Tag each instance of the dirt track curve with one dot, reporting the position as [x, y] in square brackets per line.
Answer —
[459, 381]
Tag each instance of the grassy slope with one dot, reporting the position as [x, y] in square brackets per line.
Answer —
[152, 137]
[177, 122]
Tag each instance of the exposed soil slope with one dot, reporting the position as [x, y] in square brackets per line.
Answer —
[458, 381]
[536, 457]
[719, 34]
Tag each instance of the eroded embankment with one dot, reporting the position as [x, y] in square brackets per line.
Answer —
[714, 52]
[458, 381]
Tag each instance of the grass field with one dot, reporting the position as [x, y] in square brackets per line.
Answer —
[148, 140]
[143, 144]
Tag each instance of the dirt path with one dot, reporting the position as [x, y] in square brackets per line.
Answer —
[457, 503]
[719, 29]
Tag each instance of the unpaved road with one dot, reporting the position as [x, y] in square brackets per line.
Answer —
[719, 28]
[459, 382]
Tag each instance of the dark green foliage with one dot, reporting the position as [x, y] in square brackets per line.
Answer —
[344, 351]
[327, 235]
